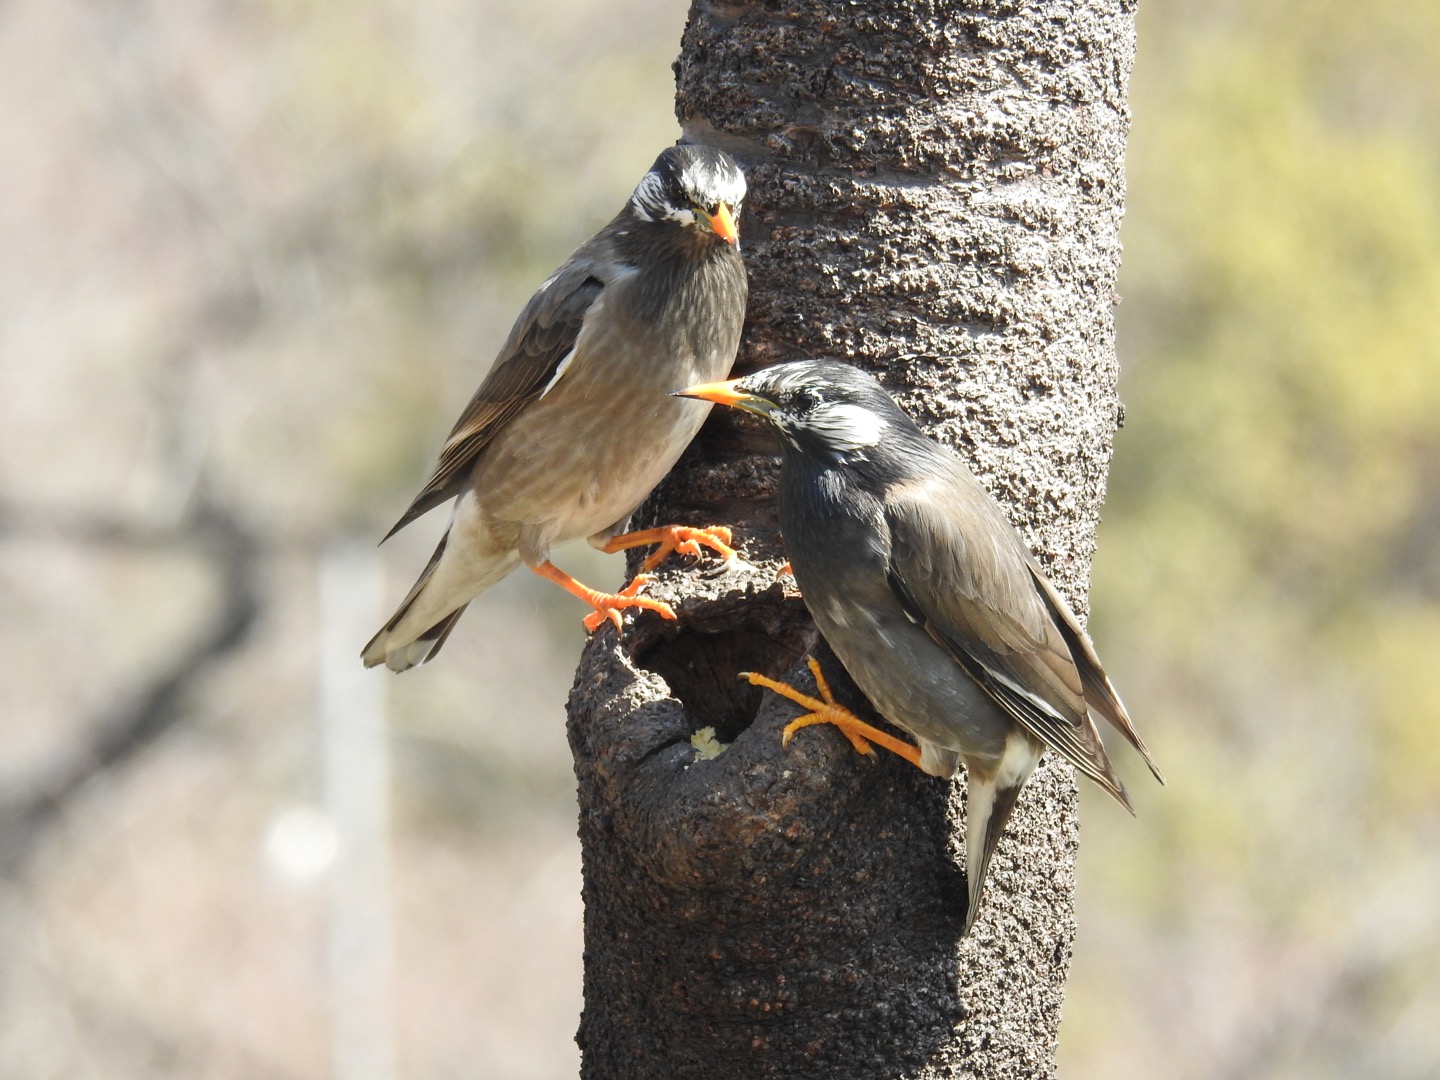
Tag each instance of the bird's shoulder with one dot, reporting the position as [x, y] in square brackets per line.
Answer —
[947, 530]
[551, 320]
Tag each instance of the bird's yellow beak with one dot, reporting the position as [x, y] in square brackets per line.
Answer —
[723, 223]
[728, 393]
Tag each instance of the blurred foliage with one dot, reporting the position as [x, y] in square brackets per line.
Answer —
[1267, 587]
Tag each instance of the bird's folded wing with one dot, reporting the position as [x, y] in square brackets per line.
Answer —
[1100, 693]
[542, 338]
[960, 571]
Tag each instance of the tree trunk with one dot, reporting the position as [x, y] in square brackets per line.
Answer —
[936, 196]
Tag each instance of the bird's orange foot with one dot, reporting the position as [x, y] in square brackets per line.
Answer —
[609, 605]
[829, 711]
[606, 605]
[672, 538]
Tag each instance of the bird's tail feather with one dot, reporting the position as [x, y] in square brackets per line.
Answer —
[398, 657]
[989, 800]
[430, 610]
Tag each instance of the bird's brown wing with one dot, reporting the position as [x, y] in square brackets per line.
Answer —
[539, 344]
[960, 571]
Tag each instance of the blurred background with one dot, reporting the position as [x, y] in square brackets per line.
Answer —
[255, 257]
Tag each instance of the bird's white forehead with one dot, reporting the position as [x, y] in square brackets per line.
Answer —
[708, 183]
[712, 184]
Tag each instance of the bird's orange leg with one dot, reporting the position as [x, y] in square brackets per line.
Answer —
[606, 605]
[828, 711]
[671, 538]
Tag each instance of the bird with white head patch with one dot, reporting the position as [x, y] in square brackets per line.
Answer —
[929, 597]
[574, 424]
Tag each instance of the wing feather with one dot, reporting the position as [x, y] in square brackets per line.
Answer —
[1100, 693]
[963, 573]
[543, 337]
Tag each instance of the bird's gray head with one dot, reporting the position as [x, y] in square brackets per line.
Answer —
[818, 406]
[696, 186]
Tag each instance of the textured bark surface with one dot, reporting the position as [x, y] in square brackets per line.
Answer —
[936, 195]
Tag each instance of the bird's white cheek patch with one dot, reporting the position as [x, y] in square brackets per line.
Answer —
[850, 427]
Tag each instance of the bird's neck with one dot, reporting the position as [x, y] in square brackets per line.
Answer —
[682, 270]
[649, 243]
[822, 494]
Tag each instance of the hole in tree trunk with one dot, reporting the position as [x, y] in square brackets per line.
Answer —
[702, 658]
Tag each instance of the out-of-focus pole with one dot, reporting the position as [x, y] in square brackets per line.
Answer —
[356, 771]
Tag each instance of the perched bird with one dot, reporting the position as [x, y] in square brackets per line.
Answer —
[575, 422]
[929, 597]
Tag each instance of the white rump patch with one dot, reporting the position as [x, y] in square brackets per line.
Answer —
[1017, 761]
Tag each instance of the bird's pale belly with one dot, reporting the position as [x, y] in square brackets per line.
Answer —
[546, 481]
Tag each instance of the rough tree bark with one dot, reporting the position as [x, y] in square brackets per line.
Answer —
[936, 193]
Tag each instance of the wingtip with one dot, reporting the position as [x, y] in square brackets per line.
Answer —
[1133, 738]
[1119, 718]
[1100, 693]
[1109, 779]
[1123, 798]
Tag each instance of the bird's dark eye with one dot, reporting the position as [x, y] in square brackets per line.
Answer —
[804, 400]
